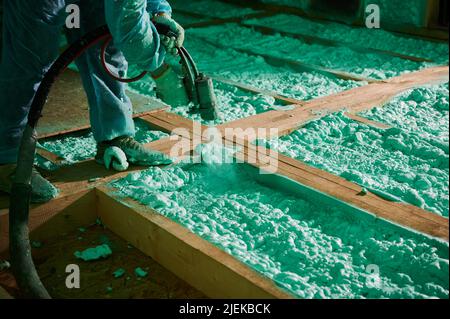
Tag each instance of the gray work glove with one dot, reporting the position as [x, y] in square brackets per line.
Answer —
[170, 43]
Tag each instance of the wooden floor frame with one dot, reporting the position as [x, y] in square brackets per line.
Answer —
[84, 194]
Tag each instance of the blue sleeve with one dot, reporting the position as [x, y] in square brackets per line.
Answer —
[158, 6]
[133, 32]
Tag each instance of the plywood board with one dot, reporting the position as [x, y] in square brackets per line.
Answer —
[67, 107]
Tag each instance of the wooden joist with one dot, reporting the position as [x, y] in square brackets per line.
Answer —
[50, 156]
[290, 101]
[193, 259]
[286, 121]
[354, 101]
[405, 215]
[368, 122]
[74, 183]
[279, 98]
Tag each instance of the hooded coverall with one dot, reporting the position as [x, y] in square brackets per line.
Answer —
[31, 33]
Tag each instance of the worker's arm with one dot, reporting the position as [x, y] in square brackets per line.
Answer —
[162, 14]
[133, 32]
[158, 6]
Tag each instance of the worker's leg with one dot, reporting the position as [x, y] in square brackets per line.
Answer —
[30, 44]
[110, 108]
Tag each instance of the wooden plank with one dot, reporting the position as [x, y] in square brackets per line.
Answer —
[355, 100]
[279, 98]
[366, 121]
[75, 182]
[70, 211]
[293, 64]
[193, 259]
[290, 101]
[404, 215]
[67, 108]
[49, 156]
[427, 34]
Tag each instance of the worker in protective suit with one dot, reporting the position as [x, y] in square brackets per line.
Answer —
[30, 45]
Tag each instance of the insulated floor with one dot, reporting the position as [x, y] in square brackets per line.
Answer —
[310, 248]
[368, 65]
[216, 50]
[408, 162]
[367, 38]
[235, 103]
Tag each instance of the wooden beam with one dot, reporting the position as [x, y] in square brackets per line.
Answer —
[245, 87]
[193, 259]
[354, 101]
[67, 108]
[74, 183]
[402, 214]
[291, 101]
[366, 121]
[50, 156]
[69, 212]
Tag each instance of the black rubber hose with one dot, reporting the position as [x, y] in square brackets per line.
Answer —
[22, 264]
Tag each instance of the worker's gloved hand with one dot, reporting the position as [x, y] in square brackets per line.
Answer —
[135, 153]
[170, 43]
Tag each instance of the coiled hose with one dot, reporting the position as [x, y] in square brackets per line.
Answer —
[22, 264]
